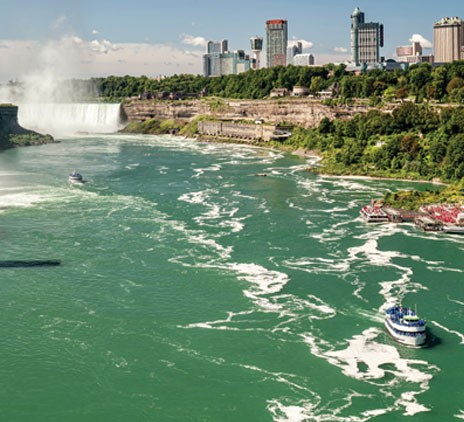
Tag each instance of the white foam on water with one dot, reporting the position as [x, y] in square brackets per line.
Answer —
[391, 290]
[456, 301]
[347, 184]
[445, 269]
[224, 324]
[312, 410]
[39, 195]
[373, 356]
[333, 210]
[201, 171]
[448, 330]
[460, 415]
[195, 197]
[217, 214]
[373, 254]
[264, 281]
[317, 265]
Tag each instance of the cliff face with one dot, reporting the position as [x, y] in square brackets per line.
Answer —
[301, 112]
[12, 134]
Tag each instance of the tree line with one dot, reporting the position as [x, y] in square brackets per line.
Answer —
[423, 82]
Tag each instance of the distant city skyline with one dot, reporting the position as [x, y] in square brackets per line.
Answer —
[85, 38]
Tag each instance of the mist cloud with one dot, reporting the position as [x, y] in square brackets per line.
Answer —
[40, 66]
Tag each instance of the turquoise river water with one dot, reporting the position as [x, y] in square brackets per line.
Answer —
[192, 290]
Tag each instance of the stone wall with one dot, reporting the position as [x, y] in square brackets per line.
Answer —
[243, 131]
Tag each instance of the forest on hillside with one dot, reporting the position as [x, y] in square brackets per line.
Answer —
[414, 141]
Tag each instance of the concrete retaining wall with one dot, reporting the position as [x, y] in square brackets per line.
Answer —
[243, 131]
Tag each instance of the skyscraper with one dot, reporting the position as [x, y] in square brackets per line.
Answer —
[276, 42]
[292, 50]
[219, 61]
[212, 58]
[257, 46]
[448, 34]
[366, 39]
[304, 59]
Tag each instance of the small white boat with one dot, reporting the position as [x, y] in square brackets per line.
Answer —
[75, 177]
[405, 326]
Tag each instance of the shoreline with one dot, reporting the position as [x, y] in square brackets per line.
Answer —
[397, 179]
[306, 154]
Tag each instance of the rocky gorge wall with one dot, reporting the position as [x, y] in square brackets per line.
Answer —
[301, 112]
[12, 134]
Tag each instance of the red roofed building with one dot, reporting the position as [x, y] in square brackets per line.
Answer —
[276, 42]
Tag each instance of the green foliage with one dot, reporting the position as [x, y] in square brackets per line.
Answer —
[422, 82]
[412, 142]
[412, 200]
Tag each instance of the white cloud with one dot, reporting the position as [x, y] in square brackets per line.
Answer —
[103, 46]
[192, 40]
[424, 42]
[306, 44]
[95, 32]
[58, 22]
[72, 57]
[341, 50]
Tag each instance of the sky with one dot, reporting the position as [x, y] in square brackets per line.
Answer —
[92, 38]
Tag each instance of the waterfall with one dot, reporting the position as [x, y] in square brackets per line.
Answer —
[68, 119]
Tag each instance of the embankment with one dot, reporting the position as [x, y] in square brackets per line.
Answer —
[12, 134]
[302, 112]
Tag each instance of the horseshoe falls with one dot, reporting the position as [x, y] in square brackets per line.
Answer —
[70, 118]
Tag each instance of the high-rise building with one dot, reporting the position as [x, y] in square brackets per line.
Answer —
[257, 47]
[276, 42]
[366, 39]
[292, 50]
[448, 34]
[217, 46]
[412, 54]
[304, 59]
[212, 58]
[409, 53]
[219, 61]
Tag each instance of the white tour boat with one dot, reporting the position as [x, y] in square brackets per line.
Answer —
[405, 326]
[454, 228]
[75, 177]
[374, 214]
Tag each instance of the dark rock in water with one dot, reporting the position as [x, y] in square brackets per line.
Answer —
[30, 263]
[12, 134]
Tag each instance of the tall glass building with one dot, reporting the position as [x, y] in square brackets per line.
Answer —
[366, 39]
[276, 42]
[219, 61]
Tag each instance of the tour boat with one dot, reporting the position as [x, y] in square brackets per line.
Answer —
[405, 326]
[454, 229]
[75, 177]
[374, 214]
